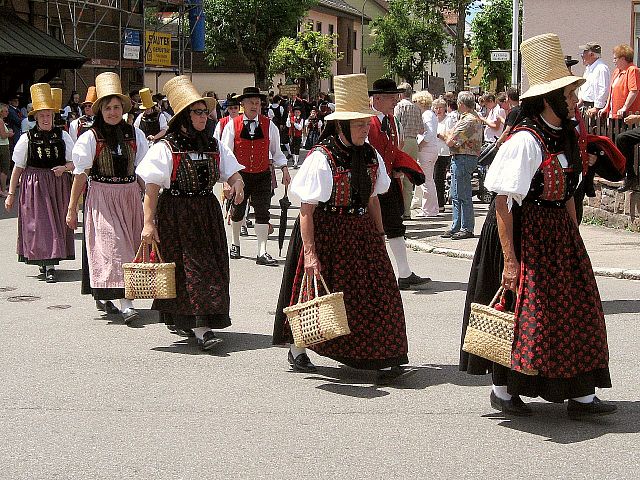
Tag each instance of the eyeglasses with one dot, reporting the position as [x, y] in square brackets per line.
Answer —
[199, 111]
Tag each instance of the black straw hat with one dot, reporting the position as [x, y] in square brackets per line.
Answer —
[385, 85]
[250, 92]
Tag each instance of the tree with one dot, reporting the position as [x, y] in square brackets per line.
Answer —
[309, 56]
[249, 30]
[408, 39]
[492, 31]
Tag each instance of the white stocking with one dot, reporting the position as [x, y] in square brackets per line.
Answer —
[399, 250]
[262, 233]
[235, 232]
[501, 392]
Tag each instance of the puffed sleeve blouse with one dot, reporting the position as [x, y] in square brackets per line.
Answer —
[84, 151]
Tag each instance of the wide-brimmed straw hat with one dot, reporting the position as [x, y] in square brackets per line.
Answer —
[181, 93]
[145, 99]
[108, 84]
[249, 92]
[543, 62]
[41, 98]
[351, 99]
[385, 85]
[91, 96]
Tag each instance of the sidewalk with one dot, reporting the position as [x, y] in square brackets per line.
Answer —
[613, 253]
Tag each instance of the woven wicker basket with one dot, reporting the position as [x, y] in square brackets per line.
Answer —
[144, 279]
[490, 333]
[319, 319]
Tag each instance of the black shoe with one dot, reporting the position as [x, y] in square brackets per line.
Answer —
[412, 281]
[129, 315]
[596, 408]
[296, 166]
[249, 223]
[184, 332]
[107, 307]
[208, 341]
[234, 253]
[461, 235]
[628, 184]
[43, 270]
[244, 232]
[386, 377]
[448, 234]
[301, 363]
[266, 259]
[590, 190]
[51, 276]
[515, 406]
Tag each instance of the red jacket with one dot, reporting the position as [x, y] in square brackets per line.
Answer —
[394, 158]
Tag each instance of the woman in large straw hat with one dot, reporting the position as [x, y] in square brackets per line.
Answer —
[107, 155]
[42, 160]
[187, 219]
[530, 244]
[339, 234]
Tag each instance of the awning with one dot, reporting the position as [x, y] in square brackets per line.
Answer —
[24, 50]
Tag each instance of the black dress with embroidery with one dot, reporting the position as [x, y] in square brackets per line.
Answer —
[354, 260]
[560, 330]
[191, 230]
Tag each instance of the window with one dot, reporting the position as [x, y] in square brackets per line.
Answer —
[330, 29]
[355, 40]
[318, 26]
[349, 48]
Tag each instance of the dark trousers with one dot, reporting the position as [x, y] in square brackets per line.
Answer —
[257, 186]
[626, 143]
[440, 177]
[392, 209]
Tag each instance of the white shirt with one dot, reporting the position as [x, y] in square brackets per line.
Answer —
[21, 149]
[229, 135]
[430, 134]
[514, 167]
[84, 151]
[314, 181]
[298, 125]
[596, 87]
[490, 134]
[444, 127]
[161, 118]
[157, 165]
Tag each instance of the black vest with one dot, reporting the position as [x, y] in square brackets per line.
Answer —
[46, 149]
[150, 124]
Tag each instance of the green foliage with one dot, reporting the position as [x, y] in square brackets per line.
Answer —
[309, 56]
[491, 29]
[249, 30]
[408, 38]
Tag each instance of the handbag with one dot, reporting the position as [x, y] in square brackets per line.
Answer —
[490, 332]
[318, 319]
[145, 278]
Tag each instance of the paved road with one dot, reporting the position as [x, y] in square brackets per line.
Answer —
[83, 396]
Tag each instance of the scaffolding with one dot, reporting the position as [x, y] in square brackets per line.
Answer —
[97, 29]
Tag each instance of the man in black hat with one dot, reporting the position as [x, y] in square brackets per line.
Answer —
[384, 137]
[253, 138]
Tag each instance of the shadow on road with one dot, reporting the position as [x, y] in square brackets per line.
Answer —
[232, 342]
[612, 307]
[551, 422]
[355, 383]
[437, 286]
[147, 317]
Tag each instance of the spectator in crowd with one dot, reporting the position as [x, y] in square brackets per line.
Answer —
[427, 156]
[627, 142]
[625, 81]
[27, 123]
[73, 107]
[14, 119]
[408, 114]
[592, 96]
[513, 100]
[5, 153]
[446, 123]
[465, 142]
[494, 120]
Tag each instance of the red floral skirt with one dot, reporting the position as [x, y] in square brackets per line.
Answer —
[560, 329]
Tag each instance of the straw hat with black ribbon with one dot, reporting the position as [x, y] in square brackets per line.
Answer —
[351, 98]
[107, 85]
[146, 101]
[41, 98]
[91, 96]
[181, 93]
[544, 64]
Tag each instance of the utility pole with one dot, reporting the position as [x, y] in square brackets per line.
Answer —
[515, 29]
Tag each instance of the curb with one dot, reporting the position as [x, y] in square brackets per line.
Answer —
[419, 246]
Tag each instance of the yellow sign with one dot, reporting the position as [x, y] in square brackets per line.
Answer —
[288, 90]
[158, 49]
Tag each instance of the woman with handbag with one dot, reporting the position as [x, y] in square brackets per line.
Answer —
[186, 218]
[530, 244]
[106, 155]
[42, 158]
[339, 235]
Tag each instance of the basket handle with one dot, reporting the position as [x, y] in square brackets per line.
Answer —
[143, 253]
[308, 283]
[499, 295]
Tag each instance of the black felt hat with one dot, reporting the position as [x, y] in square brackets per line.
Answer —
[385, 85]
[249, 92]
[232, 100]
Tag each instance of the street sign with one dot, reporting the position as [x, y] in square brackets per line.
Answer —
[158, 50]
[131, 52]
[132, 37]
[288, 90]
[500, 55]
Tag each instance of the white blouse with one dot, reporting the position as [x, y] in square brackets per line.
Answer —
[430, 123]
[22, 148]
[444, 127]
[157, 165]
[314, 181]
[514, 167]
[84, 151]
